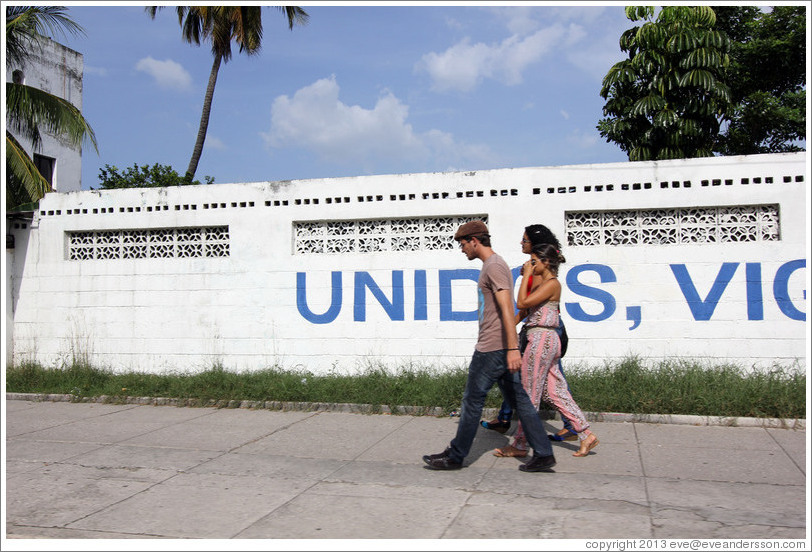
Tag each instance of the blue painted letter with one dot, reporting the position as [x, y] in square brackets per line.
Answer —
[517, 276]
[335, 300]
[755, 300]
[781, 289]
[574, 309]
[394, 308]
[703, 310]
[447, 311]
[420, 300]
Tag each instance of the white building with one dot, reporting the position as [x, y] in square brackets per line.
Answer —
[688, 259]
[58, 70]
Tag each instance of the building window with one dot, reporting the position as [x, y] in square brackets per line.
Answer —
[45, 165]
[750, 223]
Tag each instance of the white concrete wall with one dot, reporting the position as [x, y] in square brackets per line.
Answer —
[158, 314]
[58, 70]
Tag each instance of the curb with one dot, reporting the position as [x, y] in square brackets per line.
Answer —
[612, 417]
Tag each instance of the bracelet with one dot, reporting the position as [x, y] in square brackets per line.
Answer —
[516, 349]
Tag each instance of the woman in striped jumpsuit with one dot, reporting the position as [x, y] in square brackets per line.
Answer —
[541, 377]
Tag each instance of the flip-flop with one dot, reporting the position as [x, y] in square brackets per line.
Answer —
[589, 447]
[510, 452]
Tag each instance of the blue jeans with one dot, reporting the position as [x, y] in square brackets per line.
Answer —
[485, 370]
[505, 412]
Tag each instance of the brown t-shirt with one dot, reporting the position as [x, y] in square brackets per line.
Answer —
[495, 276]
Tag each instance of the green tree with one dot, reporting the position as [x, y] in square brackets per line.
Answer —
[156, 176]
[30, 111]
[666, 101]
[767, 79]
[220, 25]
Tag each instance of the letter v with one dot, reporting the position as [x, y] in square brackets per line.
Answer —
[703, 310]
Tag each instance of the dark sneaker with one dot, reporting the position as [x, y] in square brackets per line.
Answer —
[539, 464]
[442, 463]
[429, 457]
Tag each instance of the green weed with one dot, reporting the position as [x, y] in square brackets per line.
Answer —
[629, 386]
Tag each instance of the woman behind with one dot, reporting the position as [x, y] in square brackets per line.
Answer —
[535, 234]
[541, 376]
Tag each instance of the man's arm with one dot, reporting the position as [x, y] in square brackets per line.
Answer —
[504, 300]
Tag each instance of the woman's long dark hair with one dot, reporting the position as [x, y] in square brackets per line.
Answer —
[550, 253]
[539, 234]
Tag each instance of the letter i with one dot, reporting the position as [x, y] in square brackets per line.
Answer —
[755, 299]
[420, 300]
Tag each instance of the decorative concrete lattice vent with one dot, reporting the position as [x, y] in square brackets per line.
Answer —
[372, 236]
[752, 223]
[211, 241]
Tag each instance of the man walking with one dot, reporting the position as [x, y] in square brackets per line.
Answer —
[496, 359]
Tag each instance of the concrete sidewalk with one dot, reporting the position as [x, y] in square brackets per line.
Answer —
[101, 471]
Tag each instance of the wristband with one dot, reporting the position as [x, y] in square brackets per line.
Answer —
[516, 349]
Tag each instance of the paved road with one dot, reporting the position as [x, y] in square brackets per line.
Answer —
[100, 471]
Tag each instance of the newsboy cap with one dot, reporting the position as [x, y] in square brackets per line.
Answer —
[473, 228]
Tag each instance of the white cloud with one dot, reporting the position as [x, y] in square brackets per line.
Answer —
[167, 74]
[583, 139]
[518, 19]
[464, 65]
[453, 23]
[584, 37]
[91, 70]
[212, 142]
[596, 57]
[565, 114]
[316, 119]
[461, 67]
[598, 49]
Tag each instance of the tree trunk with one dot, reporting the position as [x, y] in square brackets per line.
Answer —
[204, 119]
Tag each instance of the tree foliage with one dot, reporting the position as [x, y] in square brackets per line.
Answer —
[667, 99]
[767, 78]
[144, 176]
[30, 111]
[220, 26]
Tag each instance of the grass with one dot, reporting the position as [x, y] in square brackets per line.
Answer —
[628, 386]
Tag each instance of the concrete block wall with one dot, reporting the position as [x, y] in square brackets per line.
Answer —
[271, 295]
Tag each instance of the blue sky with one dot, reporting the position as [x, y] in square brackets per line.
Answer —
[371, 88]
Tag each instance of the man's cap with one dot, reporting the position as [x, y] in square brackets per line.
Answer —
[473, 228]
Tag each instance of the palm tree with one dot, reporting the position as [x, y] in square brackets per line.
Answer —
[30, 111]
[221, 25]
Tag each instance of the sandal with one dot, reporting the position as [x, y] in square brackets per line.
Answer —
[510, 452]
[563, 435]
[496, 425]
[585, 448]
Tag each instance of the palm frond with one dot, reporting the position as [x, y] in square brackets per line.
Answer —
[24, 183]
[636, 13]
[295, 15]
[648, 105]
[699, 77]
[30, 111]
[702, 57]
[26, 25]
[665, 118]
[682, 41]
